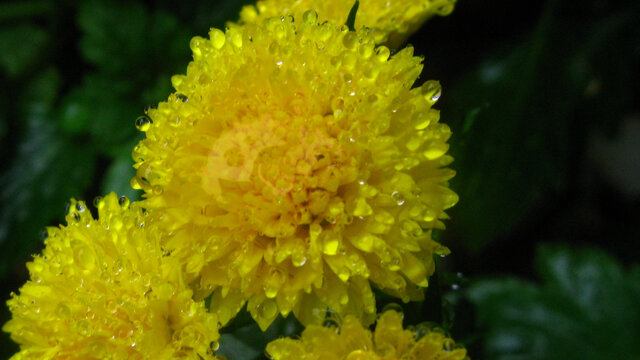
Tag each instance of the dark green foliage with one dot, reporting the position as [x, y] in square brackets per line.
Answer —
[587, 308]
[60, 130]
[520, 114]
[47, 169]
[20, 47]
[244, 340]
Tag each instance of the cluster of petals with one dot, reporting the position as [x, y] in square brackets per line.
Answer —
[102, 288]
[389, 341]
[295, 164]
[389, 21]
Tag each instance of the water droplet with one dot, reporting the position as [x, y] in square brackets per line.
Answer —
[181, 97]
[422, 330]
[423, 119]
[143, 123]
[435, 151]
[442, 251]
[236, 38]
[44, 234]
[330, 246]
[444, 9]
[134, 183]
[331, 323]
[268, 309]
[350, 40]
[85, 257]
[217, 37]
[337, 105]
[310, 17]
[97, 202]
[97, 349]
[398, 197]
[393, 307]
[79, 207]
[298, 259]
[123, 201]
[111, 306]
[448, 345]
[431, 90]
[382, 53]
[214, 345]
[164, 291]
[63, 310]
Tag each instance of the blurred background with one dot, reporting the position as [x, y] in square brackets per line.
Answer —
[543, 98]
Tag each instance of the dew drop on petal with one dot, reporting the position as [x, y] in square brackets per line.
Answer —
[143, 123]
[398, 197]
[217, 37]
[123, 201]
[310, 17]
[431, 90]
[393, 307]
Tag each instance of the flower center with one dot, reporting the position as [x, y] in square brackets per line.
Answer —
[277, 174]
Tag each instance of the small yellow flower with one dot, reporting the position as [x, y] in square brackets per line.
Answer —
[102, 289]
[389, 341]
[294, 164]
[390, 21]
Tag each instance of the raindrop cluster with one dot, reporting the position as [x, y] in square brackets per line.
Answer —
[102, 288]
[295, 164]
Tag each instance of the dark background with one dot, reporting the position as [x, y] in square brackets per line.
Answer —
[543, 98]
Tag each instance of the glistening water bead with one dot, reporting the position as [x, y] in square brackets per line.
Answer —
[88, 292]
[305, 152]
[143, 123]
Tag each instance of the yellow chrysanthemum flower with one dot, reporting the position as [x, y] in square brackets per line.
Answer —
[295, 163]
[390, 21]
[102, 289]
[389, 341]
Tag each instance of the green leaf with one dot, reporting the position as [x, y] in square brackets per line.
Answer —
[25, 9]
[135, 53]
[513, 128]
[46, 171]
[127, 40]
[610, 57]
[249, 343]
[100, 107]
[587, 308]
[21, 48]
[519, 118]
